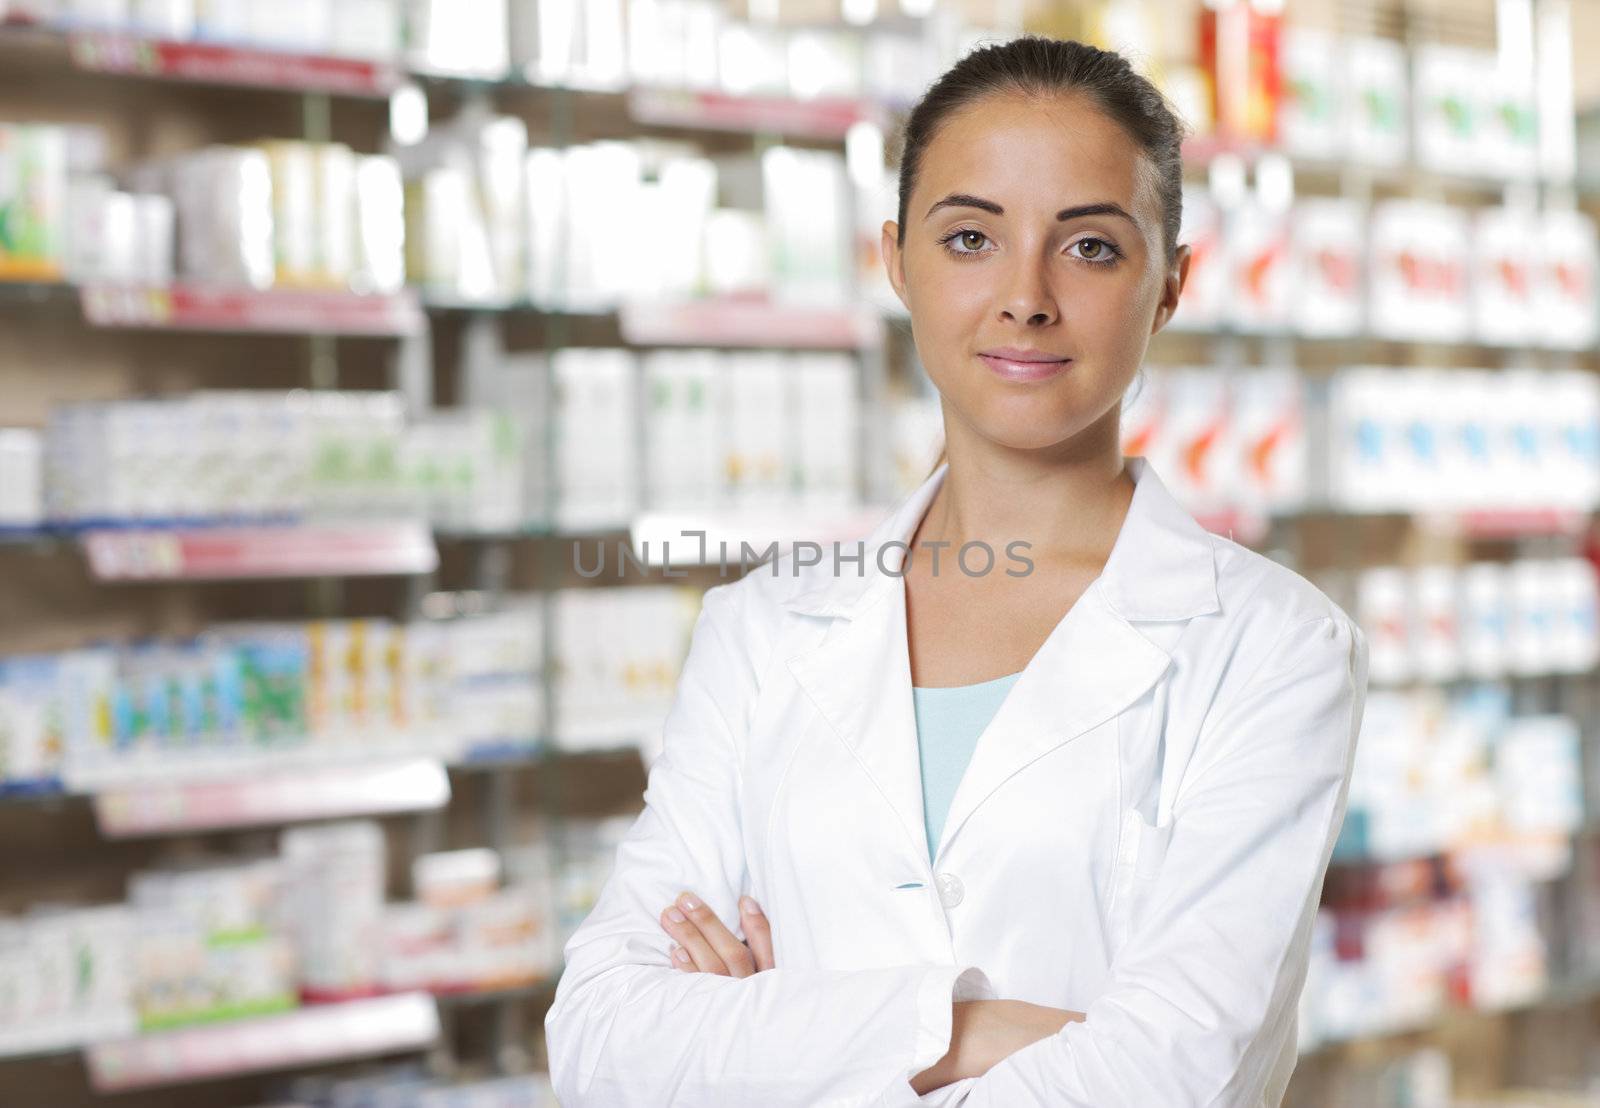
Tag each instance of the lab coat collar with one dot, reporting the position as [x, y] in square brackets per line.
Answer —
[1160, 568]
[1111, 647]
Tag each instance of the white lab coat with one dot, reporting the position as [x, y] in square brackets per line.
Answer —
[1141, 836]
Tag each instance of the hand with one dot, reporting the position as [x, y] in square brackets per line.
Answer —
[705, 945]
[984, 1033]
[998, 1029]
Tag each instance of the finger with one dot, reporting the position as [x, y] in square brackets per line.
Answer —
[734, 956]
[758, 932]
[702, 958]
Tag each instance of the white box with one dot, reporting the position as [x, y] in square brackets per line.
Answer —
[1419, 271]
[1328, 282]
[1376, 101]
[1269, 427]
[1568, 275]
[1262, 263]
[1449, 102]
[1311, 120]
[1504, 262]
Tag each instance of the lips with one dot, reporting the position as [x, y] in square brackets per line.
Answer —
[1014, 366]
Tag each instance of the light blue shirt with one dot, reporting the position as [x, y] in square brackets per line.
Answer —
[949, 721]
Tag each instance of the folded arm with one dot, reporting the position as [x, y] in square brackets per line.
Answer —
[1204, 991]
[626, 1028]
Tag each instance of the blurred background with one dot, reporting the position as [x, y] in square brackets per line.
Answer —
[349, 345]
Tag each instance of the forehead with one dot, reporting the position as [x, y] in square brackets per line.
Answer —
[1034, 152]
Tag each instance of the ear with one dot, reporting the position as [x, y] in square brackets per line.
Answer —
[1172, 282]
[892, 263]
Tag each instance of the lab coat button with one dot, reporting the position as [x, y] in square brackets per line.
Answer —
[950, 890]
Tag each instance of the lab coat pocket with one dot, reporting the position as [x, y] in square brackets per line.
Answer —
[1141, 848]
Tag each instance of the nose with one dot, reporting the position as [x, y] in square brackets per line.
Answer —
[1027, 296]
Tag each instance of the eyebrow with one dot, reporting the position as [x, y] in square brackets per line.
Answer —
[964, 200]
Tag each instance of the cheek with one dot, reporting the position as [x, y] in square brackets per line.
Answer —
[1113, 316]
[1121, 297]
[948, 316]
[951, 295]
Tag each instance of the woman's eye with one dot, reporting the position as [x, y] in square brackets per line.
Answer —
[1095, 250]
[969, 241]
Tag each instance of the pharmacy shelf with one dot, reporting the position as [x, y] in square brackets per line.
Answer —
[216, 64]
[489, 757]
[1199, 151]
[749, 321]
[400, 548]
[1584, 989]
[493, 758]
[1474, 523]
[1467, 681]
[471, 997]
[54, 1041]
[139, 553]
[25, 790]
[821, 118]
[49, 1039]
[212, 63]
[1506, 523]
[1477, 524]
[17, 291]
[136, 552]
[673, 538]
[290, 758]
[1374, 343]
[734, 321]
[274, 797]
[161, 795]
[198, 62]
[130, 54]
[435, 300]
[190, 307]
[1356, 875]
[739, 321]
[722, 321]
[306, 1036]
[826, 118]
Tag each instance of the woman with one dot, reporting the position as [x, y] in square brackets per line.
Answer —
[1114, 906]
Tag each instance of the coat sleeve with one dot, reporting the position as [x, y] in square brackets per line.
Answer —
[626, 1028]
[1203, 994]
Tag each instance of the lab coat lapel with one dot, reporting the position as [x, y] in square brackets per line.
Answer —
[1091, 667]
[859, 676]
[1110, 648]
[860, 680]
[1105, 653]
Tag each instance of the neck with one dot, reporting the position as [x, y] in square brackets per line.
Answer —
[1066, 508]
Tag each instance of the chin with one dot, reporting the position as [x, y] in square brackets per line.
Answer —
[1031, 439]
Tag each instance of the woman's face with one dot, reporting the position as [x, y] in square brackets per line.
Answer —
[1033, 232]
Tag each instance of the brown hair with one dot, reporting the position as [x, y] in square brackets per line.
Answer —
[1036, 65]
